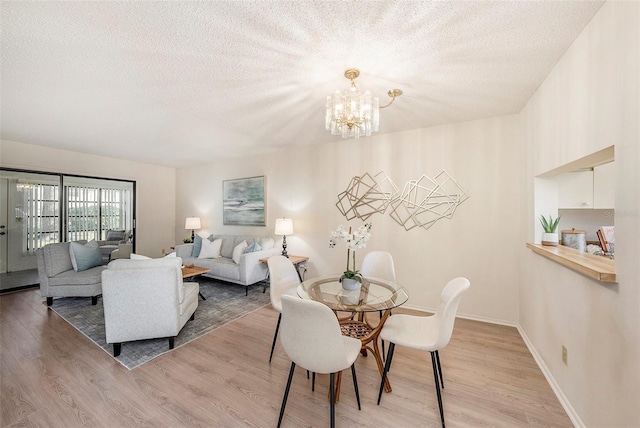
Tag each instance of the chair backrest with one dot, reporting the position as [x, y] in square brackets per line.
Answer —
[446, 313]
[311, 336]
[173, 262]
[379, 264]
[283, 279]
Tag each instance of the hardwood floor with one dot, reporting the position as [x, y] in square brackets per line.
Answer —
[51, 375]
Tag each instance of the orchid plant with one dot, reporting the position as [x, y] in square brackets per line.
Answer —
[354, 241]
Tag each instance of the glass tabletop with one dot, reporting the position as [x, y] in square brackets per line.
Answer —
[374, 294]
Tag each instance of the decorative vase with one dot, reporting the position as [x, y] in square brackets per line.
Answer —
[350, 284]
[550, 239]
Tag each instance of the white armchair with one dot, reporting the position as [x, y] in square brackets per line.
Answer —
[146, 299]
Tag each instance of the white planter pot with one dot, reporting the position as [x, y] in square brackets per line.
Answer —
[550, 239]
[350, 284]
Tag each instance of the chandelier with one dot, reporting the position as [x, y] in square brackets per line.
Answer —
[352, 112]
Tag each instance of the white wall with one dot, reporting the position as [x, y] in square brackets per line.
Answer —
[303, 183]
[588, 102]
[155, 192]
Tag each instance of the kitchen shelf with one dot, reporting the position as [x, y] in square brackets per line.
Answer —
[596, 267]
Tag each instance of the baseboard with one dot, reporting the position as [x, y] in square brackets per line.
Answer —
[564, 401]
[21, 288]
[466, 316]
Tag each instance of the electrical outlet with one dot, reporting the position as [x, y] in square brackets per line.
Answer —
[564, 355]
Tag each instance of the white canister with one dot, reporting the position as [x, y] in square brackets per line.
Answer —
[575, 239]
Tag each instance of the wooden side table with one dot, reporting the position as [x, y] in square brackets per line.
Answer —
[188, 272]
[296, 260]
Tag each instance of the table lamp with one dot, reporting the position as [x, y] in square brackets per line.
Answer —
[192, 223]
[284, 227]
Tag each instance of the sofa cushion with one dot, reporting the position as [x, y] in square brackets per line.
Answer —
[228, 244]
[238, 251]
[71, 277]
[225, 268]
[84, 257]
[210, 250]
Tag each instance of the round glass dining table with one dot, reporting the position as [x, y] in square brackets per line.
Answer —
[374, 295]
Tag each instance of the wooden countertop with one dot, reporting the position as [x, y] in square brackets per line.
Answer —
[596, 267]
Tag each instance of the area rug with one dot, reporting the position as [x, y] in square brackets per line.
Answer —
[225, 303]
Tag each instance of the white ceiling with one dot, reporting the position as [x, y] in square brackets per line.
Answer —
[177, 83]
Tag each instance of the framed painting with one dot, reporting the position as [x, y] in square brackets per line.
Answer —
[243, 202]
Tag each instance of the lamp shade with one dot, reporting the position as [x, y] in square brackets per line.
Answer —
[284, 226]
[192, 223]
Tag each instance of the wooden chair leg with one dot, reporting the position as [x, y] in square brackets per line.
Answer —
[49, 301]
[286, 393]
[171, 342]
[117, 347]
[94, 300]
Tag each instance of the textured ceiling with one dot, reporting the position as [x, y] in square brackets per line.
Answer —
[176, 83]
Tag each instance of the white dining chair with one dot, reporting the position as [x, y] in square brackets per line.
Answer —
[430, 333]
[312, 338]
[379, 264]
[283, 280]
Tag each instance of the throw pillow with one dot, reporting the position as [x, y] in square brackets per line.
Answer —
[210, 250]
[197, 245]
[238, 250]
[253, 247]
[267, 243]
[135, 256]
[86, 256]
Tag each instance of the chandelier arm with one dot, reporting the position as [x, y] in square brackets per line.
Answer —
[393, 93]
[390, 102]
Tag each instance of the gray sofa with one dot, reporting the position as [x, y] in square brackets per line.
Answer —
[248, 271]
[58, 279]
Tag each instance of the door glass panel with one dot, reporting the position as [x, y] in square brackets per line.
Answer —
[31, 216]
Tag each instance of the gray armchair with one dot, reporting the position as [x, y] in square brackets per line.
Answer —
[122, 252]
[146, 299]
[59, 279]
[111, 242]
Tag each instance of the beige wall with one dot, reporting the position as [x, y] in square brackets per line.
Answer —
[587, 103]
[303, 184]
[155, 191]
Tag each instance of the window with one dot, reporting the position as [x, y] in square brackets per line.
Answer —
[93, 207]
[40, 214]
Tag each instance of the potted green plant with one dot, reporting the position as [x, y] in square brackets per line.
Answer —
[550, 236]
[187, 240]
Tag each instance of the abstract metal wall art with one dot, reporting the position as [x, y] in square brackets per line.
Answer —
[367, 195]
[421, 203]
